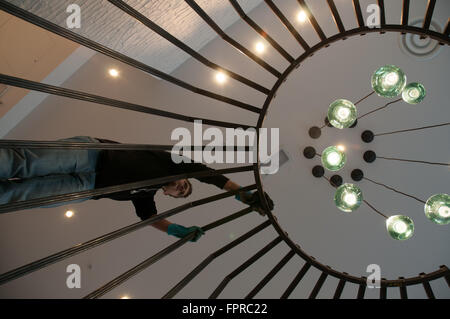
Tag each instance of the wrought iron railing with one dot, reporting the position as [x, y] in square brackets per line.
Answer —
[309, 49]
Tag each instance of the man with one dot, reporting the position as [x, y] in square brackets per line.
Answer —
[35, 173]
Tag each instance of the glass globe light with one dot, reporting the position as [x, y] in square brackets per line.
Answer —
[348, 197]
[414, 93]
[437, 209]
[400, 227]
[388, 81]
[333, 158]
[342, 113]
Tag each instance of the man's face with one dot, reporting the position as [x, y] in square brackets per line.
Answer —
[178, 189]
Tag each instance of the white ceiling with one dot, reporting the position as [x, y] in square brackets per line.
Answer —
[304, 207]
[106, 24]
[109, 26]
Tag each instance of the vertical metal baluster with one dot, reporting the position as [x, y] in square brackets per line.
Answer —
[405, 13]
[382, 15]
[188, 278]
[313, 20]
[447, 28]
[287, 24]
[244, 266]
[261, 32]
[427, 287]
[429, 14]
[318, 285]
[383, 290]
[447, 277]
[362, 289]
[339, 289]
[403, 292]
[358, 13]
[296, 280]
[270, 275]
[231, 41]
[336, 16]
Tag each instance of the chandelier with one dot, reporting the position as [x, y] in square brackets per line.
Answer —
[388, 81]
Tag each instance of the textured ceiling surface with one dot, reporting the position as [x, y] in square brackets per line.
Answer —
[108, 25]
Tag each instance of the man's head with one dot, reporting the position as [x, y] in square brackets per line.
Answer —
[178, 189]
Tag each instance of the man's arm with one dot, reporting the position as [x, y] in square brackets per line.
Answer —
[231, 186]
[162, 225]
[248, 197]
[177, 230]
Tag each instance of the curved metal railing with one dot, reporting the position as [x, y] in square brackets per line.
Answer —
[309, 49]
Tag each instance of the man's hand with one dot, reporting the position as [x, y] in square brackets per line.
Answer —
[253, 200]
[181, 231]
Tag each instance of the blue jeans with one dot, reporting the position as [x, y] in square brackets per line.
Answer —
[38, 173]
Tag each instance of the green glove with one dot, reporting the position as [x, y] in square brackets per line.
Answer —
[244, 197]
[181, 231]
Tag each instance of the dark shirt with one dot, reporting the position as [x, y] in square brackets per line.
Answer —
[115, 167]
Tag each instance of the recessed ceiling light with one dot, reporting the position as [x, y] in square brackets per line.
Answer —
[221, 77]
[341, 147]
[113, 72]
[301, 16]
[260, 47]
[125, 297]
[69, 214]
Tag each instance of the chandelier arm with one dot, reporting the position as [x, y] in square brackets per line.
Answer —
[413, 161]
[379, 108]
[362, 99]
[394, 190]
[412, 129]
[374, 209]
